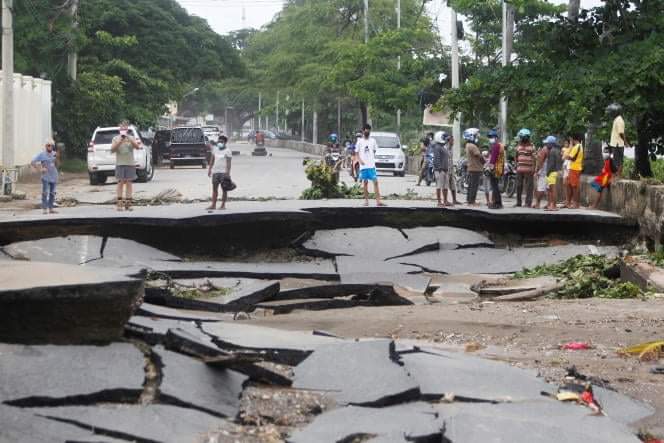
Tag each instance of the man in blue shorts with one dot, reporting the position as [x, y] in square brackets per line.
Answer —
[366, 151]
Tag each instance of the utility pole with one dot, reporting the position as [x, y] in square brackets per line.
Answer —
[7, 85]
[366, 40]
[339, 117]
[302, 127]
[277, 111]
[456, 129]
[366, 21]
[260, 106]
[508, 35]
[314, 138]
[399, 64]
[72, 58]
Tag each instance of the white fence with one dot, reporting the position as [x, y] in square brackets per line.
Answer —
[32, 117]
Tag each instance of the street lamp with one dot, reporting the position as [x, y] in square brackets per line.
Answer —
[193, 91]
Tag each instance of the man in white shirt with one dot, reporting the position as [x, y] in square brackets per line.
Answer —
[220, 172]
[366, 151]
[618, 138]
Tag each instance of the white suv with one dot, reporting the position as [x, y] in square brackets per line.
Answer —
[390, 156]
[101, 161]
[212, 133]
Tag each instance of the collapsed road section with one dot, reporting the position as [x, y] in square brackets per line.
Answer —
[180, 357]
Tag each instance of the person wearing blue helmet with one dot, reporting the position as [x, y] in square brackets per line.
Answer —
[525, 167]
[475, 164]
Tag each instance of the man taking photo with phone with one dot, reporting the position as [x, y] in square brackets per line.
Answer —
[125, 166]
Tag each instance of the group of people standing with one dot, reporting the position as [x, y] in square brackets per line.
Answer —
[537, 170]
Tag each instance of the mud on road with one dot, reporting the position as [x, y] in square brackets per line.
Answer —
[526, 334]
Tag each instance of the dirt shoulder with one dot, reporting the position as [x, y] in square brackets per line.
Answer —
[526, 334]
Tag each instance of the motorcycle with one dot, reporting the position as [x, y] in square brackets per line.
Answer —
[334, 160]
[508, 181]
[461, 173]
[429, 174]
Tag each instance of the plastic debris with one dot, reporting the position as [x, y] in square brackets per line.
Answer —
[576, 346]
[646, 351]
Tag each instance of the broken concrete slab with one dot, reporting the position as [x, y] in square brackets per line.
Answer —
[151, 310]
[156, 326]
[64, 304]
[495, 261]
[402, 423]
[318, 291]
[545, 420]
[310, 304]
[287, 347]
[64, 375]
[236, 301]
[87, 249]
[378, 243]
[319, 270]
[22, 425]
[511, 286]
[467, 377]
[191, 383]
[153, 423]
[620, 407]
[358, 270]
[448, 236]
[358, 373]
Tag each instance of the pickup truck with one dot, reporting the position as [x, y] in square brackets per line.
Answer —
[189, 145]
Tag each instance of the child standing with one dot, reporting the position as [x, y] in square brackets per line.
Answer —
[554, 164]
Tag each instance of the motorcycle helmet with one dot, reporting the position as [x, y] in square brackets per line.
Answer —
[524, 134]
[333, 138]
[550, 140]
[492, 133]
[614, 109]
[471, 135]
[440, 137]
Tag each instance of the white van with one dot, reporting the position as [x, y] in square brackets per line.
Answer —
[101, 161]
[390, 156]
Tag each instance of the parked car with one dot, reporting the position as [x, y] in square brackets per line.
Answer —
[161, 146]
[390, 156]
[189, 146]
[101, 161]
[212, 133]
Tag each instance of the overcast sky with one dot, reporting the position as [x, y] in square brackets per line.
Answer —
[227, 15]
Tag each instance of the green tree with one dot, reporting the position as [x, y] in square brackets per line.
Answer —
[134, 57]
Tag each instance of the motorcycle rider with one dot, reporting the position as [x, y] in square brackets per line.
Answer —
[425, 152]
[475, 164]
[525, 168]
[496, 168]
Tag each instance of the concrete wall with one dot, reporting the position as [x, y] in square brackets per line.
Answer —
[32, 117]
[635, 200]
[307, 148]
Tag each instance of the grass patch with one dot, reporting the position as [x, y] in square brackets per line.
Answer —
[657, 166]
[74, 165]
[586, 276]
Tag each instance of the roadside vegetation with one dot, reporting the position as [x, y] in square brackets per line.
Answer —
[586, 276]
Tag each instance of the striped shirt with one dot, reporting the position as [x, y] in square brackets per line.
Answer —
[525, 159]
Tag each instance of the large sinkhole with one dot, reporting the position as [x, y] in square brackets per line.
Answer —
[170, 305]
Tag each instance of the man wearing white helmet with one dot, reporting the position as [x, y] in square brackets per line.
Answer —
[475, 164]
[441, 166]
